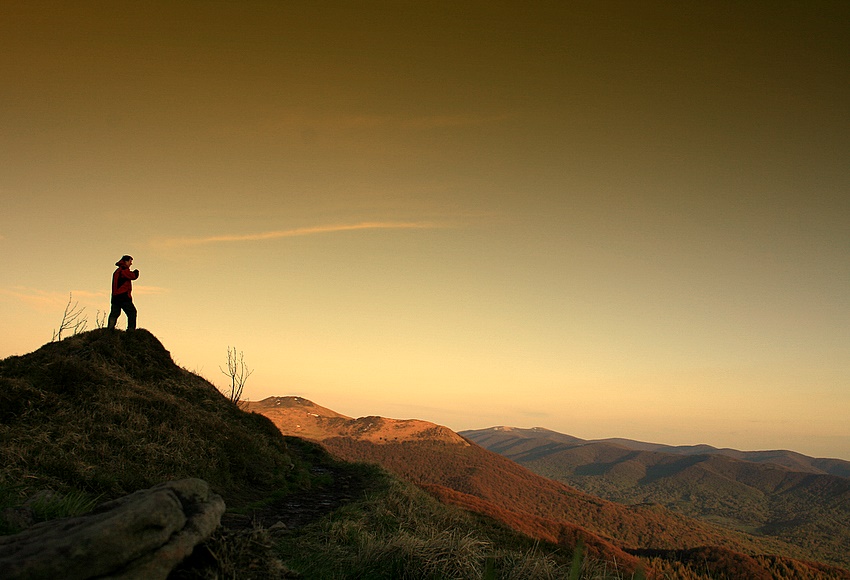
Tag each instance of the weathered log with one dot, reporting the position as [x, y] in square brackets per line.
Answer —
[141, 536]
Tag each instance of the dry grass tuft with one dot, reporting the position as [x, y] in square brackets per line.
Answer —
[403, 533]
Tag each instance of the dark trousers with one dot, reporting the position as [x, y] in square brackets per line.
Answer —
[125, 303]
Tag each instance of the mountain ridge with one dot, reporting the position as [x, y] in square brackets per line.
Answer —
[808, 508]
[786, 458]
[473, 478]
[300, 417]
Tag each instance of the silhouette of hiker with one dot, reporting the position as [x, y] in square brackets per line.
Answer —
[122, 293]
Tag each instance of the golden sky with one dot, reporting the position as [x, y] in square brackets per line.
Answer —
[607, 218]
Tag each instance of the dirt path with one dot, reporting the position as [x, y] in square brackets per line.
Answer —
[299, 509]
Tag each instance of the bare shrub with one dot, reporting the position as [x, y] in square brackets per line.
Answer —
[73, 320]
[238, 373]
[100, 319]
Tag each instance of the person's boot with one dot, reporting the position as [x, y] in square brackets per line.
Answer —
[113, 320]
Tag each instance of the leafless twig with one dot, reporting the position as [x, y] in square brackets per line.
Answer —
[238, 373]
[72, 320]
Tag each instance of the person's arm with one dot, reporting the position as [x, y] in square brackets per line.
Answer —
[130, 275]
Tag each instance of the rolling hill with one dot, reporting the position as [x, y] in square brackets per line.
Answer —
[467, 475]
[299, 417]
[102, 414]
[777, 494]
[511, 441]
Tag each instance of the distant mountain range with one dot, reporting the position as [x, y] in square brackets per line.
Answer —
[459, 471]
[782, 494]
[508, 441]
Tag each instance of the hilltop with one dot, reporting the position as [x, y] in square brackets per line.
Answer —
[110, 412]
[299, 417]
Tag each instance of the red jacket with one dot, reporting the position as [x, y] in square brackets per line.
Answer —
[122, 280]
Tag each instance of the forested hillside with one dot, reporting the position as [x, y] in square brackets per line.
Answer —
[809, 509]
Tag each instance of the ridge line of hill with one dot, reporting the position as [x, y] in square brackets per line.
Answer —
[792, 460]
[479, 479]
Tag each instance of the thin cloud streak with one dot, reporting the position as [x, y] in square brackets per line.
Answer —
[347, 122]
[48, 301]
[44, 301]
[278, 234]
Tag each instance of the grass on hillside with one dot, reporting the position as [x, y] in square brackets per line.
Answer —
[399, 532]
[104, 413]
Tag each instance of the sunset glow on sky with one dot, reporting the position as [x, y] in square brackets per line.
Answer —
[606, 218]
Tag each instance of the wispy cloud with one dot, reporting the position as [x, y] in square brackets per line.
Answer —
[308, 231]
[44, 301]
[441, 121]
[306, 122]
[51, 301]
[293, 118]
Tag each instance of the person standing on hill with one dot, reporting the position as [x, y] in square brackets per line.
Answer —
[122, 293]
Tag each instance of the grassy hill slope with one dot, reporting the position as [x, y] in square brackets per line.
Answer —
[102, 413]
[110, 412]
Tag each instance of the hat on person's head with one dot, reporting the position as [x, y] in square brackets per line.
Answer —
[126, 258]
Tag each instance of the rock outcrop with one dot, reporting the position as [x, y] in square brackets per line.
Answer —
[141, 536]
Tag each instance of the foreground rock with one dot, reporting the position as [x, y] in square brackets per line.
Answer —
[140, 536]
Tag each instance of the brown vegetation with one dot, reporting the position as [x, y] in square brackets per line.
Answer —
[809, 509]
[299, 417]
[549, 530]
[486, 483]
